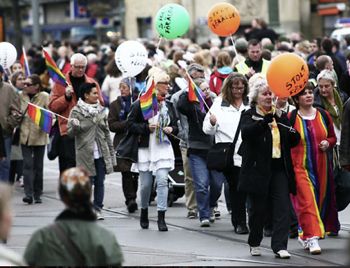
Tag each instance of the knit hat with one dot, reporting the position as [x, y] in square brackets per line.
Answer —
[129, 81]
[195, 67]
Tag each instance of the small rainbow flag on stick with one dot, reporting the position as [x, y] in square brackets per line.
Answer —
[195, 94]
[24, 63]
[41, 117]
[55, 73]
[149, 103]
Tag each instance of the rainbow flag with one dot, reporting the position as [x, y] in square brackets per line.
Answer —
[149, 103]
[24, 63]
[55, 73]
[195, 94]
[41, 117]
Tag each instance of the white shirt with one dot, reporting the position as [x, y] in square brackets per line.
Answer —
[226, 125]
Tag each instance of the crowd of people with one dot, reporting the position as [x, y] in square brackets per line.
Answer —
[289, 155]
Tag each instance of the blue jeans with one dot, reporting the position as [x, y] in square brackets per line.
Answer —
[146, 182]
[98, 183]
[202, 178]
[5, 164]
[216, 189]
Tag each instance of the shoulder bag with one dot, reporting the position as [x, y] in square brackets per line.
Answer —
[220, 155]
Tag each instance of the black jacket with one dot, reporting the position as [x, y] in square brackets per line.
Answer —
[197, 139]
[256, 151]
[138, 132]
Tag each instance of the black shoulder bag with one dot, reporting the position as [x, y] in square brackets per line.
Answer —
[220, 155]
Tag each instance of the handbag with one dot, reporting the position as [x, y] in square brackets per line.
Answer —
[54, 140]
[220, 155]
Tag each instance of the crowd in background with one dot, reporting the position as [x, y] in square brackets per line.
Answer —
[289, 156]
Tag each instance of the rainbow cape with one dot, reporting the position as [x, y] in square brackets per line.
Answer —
[149, 103]
[41, 117]
[195, 94]
[55, 73]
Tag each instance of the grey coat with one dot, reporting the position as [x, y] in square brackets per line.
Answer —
[91, 129]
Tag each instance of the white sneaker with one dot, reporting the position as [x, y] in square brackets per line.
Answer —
[283, 254]
[99, 215]
[303, 243]
[255, 251]
[205, 223]
[314, 248]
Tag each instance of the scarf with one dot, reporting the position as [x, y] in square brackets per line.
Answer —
[336, 116]
[89, 110]
[163, 121]
[276, 138]
[125, 107]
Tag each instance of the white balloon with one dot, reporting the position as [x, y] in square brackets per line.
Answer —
[131, 58]
[8, 54]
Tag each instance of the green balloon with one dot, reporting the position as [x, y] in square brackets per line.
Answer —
[172, 21]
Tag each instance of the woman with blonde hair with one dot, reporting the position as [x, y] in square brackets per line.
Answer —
[152, 154]
[266, 173]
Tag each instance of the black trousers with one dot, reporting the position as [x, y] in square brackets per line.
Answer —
[237, 198]
[66, 153]
[16, 167]
[279, 196]
[130, 185]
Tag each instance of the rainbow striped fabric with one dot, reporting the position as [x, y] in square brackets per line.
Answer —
[195, 94]
[41, 117]
[149, 103]
[55, 73]
[315, 202]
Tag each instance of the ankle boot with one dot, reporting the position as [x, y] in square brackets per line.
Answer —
[161, 222]
[144, 218]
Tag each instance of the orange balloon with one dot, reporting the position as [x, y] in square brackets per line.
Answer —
[287, 75]
[223, 19]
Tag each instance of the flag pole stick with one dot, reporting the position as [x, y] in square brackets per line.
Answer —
[41, 108]
[196, 88]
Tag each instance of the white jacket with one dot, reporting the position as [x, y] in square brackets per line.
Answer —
[227, 122]
[10, 258]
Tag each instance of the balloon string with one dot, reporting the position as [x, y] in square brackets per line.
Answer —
[234, 45]
[158, 45]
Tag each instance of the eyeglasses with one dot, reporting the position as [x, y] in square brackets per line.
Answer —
[79, 66]
[28, 84]
[163, 83]
[238, 88]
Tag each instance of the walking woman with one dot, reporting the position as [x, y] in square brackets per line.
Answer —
[223, 122]
[33, 140]
[314, 203]
[16, 167]
[119, 110]
[155, 155]
[93, 145]
[266, 172]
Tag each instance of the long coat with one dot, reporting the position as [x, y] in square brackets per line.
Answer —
[256, 151]
[91, 129]
[30, 133]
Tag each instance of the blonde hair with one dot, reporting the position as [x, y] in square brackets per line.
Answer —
[257, 83]
[158, 75]
[327, 75]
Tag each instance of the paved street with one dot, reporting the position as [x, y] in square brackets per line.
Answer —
[186, 244]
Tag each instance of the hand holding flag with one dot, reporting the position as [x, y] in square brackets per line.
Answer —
[55, 73]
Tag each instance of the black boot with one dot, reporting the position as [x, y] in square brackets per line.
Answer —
[161, 222]
[144, 218]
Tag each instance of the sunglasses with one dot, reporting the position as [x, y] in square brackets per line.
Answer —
[28, 84]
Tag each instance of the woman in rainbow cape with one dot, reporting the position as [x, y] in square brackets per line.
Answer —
[34, 130]
[151, 122]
